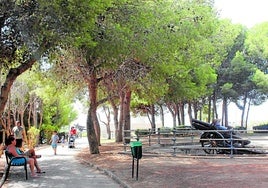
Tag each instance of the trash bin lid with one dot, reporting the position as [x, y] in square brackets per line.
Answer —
[136, 143]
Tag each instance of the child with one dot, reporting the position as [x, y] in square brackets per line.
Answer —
[62, 141]
[54, 141]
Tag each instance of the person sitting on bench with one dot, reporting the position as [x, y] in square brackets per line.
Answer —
[217, 124]
[29, 155]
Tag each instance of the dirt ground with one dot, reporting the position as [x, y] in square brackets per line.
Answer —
[182, 171]
[163, 170]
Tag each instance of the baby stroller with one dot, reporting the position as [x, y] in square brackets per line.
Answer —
[71, 141]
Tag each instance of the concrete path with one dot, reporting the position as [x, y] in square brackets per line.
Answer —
[62, 171]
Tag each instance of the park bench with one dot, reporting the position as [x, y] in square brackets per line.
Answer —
[186, 148]
[10, 162]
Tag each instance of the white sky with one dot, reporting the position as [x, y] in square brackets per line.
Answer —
[246, 12]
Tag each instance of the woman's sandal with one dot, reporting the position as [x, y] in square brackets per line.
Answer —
[40, 172]
[38, 156]
[35, 176]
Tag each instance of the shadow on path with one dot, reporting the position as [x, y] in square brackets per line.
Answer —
[62, 170]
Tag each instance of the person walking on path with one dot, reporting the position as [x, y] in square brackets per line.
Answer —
[62, 141]
[54, 142]
[73, 131]
[17, 131]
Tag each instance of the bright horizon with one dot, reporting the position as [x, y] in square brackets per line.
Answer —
[246, 12]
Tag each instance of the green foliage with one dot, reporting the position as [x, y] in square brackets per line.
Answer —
[48, 130]
[57, 102]
[256, 45]
[182, 127]
[261, 128]
[165, 130]
[261, 80]
[141, 132]
[181, 43]
[33, 135]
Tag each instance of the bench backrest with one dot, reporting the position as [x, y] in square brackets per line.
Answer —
[14, 161]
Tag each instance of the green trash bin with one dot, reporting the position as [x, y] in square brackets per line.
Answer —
[136, 149]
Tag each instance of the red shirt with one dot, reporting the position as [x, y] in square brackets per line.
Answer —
[73, 131]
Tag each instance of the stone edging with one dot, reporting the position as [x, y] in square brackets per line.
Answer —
[108, 173]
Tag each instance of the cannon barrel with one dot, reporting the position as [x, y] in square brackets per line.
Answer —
[201, 125]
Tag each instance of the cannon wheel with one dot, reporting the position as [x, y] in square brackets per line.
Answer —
[211, 140]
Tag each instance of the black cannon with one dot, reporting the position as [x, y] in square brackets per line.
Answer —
[218, 141]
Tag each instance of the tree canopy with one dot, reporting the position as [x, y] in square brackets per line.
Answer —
[139, 53]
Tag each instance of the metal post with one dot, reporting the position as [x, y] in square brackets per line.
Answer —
[149, 137]
[158, 135]
[174, 141]
[125, 147]
[138, 133]
[232, 148]
[137, 170]
[132, 167]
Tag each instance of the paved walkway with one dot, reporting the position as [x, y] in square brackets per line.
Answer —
[62, 170]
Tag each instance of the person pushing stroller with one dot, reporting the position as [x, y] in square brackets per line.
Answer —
[72, 136]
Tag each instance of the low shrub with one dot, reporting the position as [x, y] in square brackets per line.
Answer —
[261, 128]
[165, 130]
[141, 132]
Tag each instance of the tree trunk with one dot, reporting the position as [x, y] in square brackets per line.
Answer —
[107, 123]
[34, 114]
[93, 126]
[224, 112]
[92, 139]
[121, 117]
[190, 112]
[126, 112]
[116, 123]
[246, 123]
[15, 72]
[243, 111]
[153, 118]
[162, 115]
[209, 109]
[214, 110]
[182, 112]
[108, 127]
[178, 114]
[30, 110]
[173, 113]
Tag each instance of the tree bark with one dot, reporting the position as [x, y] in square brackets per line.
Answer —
[248, 109]
[92, 139]
[15, 72]
[93, 128]
[116, 123]
[126, 112]
[162, 115]
[10, 78]
[172, 110]
[153, 118]
[181, 113]
[243, 111]
[224, 111]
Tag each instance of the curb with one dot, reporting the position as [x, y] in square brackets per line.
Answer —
[108, 173]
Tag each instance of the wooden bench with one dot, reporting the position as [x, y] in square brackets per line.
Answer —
[187, 148]
[10, 162]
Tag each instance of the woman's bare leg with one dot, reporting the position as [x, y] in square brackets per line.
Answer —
[31, 164]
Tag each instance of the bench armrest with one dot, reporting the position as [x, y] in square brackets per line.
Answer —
[10, 159]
